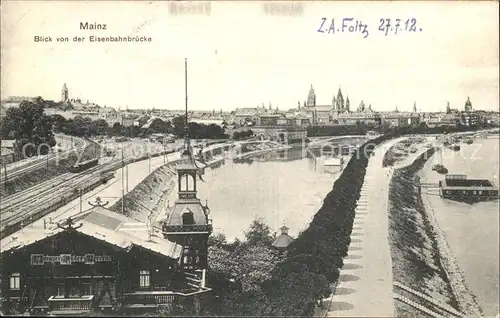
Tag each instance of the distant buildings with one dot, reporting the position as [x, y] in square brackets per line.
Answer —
[7, 151]
[340, 112]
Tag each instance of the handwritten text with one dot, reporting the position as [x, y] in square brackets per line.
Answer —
[386, 27]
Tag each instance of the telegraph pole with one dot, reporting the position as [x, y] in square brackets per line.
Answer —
[81, 198]
[123, 179]
[5, 175]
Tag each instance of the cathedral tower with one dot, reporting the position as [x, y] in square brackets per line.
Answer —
[468, 105]
[340, 101]
[64, 94]
[311, 97]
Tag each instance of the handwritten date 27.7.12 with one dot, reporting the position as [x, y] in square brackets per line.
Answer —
[386, 26]
[395, 26]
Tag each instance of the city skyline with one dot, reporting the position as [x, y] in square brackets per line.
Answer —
[236, 63]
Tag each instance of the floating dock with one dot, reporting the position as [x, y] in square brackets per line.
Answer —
[460, 188]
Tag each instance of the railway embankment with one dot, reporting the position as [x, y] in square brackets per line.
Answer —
[150, 195]
[54, 166]
[418, 249]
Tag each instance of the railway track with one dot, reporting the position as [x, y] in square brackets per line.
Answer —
[423, 303]
[22, 208]
[79, 144]
[31, 201]
[25, 207]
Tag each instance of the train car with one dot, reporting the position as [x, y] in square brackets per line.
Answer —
[80, 166]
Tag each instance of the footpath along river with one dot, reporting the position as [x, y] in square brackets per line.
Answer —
[472, 230]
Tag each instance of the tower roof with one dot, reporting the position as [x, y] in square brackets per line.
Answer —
[187, 163]
[282, 241]
[182, 207]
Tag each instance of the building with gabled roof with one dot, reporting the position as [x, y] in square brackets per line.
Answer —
[96, 260]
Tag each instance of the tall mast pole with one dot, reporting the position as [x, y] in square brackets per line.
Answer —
[186, 131]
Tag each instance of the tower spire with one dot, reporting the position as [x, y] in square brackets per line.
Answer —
[186, 127]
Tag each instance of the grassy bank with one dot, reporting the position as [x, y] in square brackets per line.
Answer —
[149, 195]
[416, 256]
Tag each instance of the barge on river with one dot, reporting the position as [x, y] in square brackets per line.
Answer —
[460, 188]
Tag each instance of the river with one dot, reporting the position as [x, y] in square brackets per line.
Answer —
[472, 231]
[278, 187]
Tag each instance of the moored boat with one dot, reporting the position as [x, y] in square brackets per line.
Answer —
[455, 147]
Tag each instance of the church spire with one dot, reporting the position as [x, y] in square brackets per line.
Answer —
[340, 100]
[311, 97]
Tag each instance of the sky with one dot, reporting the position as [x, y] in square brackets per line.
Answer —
[240, 55]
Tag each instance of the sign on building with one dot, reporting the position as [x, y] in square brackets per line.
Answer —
[68, 259]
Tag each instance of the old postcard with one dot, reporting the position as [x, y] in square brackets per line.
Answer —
[217, 158]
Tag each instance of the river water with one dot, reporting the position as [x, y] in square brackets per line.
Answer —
[279, 187]
[472, 231]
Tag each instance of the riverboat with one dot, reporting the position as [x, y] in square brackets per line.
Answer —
[455, 147]
[439, 168]
[460, 188]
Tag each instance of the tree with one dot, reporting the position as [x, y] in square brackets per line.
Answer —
[59, 122]
[259, 233]
[101, 126]
[117, 129]
[29, 125]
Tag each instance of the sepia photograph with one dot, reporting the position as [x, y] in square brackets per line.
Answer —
[249, 158]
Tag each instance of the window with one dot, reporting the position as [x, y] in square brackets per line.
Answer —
[480, 192]
[187, 218]
[87, 289]
[474, 192]
[15, 281]
[74, 291]
[60, 289]
[144, 279]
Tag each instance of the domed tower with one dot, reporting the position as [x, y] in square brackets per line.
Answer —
[311, 97]
[187, 222]
[283, 240]
[361, 107]
[64, 94]
[468, 105]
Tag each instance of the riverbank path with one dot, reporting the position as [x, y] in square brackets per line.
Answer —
[365, 283]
